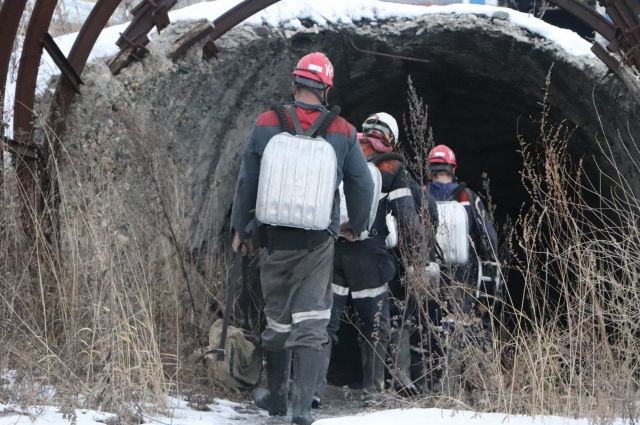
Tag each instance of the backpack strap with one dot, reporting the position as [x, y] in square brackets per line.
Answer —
[282, 117]
[456, 193]
[324, 122]
[294, 117]
[320, 125]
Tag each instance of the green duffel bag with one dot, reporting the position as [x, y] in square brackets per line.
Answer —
[242, 363]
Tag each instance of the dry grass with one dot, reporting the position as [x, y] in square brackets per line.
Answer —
[573, 350]
[112, 306]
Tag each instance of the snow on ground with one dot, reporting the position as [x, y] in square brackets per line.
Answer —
[223, 412]
[229, 413]
[13, 415]
[451, 417]
[289, 13]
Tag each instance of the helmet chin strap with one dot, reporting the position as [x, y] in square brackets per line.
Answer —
[321, 98]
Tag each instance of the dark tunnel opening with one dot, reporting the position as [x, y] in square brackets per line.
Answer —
[480, 105]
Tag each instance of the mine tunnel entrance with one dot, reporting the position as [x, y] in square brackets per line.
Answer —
[481, 78]
[484, 97]
[478, 117]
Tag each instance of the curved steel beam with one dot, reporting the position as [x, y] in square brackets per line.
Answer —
[29, 66]
[78, 56]
[224, 23]
[588, 16]
[27, 168]
[10, 15]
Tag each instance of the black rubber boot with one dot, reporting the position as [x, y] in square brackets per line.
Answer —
[274, 399]
[306, 363]
[323, 368]
[372, 373]
[372, 367]
[401, 372]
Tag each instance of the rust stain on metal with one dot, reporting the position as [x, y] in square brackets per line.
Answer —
[198, 27]
[29, 66]
[626, 22]
[78, 56]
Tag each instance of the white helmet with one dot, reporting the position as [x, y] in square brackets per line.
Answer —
[383, 122]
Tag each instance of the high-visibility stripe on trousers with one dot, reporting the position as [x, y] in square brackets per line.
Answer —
[296, 285]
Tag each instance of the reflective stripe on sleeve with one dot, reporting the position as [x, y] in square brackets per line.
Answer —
[278, 327]
[400, 193]
[343, 291]
[310, 315]
[370, 293]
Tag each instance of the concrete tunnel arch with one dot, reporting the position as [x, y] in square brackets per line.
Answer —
[482, 79]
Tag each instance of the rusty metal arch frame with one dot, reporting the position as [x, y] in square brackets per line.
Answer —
[622, 33]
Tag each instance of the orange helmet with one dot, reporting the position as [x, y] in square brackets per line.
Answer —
[442, 158]
[314, 70]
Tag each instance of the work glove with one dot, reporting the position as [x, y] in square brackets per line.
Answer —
[348, 233]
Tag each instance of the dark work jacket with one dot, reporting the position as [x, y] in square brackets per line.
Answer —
[352, 168]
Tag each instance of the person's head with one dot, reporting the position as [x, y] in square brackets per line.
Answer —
[441, 164]
[381, 130]
[312, 78]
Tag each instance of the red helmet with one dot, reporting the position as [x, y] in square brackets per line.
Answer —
[314, 67]
[442, 158]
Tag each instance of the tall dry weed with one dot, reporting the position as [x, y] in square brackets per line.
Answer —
[572, 352]
[112, 304]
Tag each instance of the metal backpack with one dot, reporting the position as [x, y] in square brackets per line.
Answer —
[452, 235]
[376, 177]
[298, 174]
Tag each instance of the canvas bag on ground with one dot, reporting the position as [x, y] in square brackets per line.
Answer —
[298, 175]
[242, 363]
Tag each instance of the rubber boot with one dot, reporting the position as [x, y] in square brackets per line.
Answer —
[274, 399]
[372, 372]
[322, 375]
[402, 370]
[306, 363]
